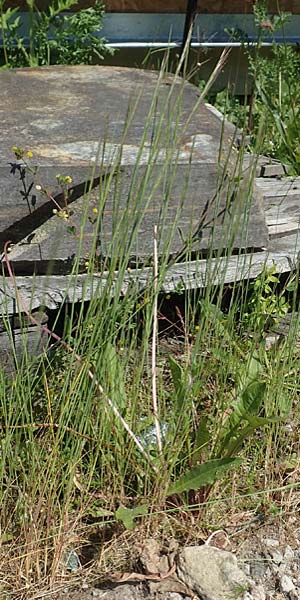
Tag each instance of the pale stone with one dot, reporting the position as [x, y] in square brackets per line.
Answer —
[286, 584]
[257, 592]
[211, 573]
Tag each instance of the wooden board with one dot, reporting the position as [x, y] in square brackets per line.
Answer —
[204, 6]
[51, 291]
[17, 340]
[281, 201]
[137, 199]
[167, 167]
[55, 290]
[69, 116]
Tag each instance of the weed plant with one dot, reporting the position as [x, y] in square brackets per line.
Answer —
[80, 452]
[273, 91]
[53, 36]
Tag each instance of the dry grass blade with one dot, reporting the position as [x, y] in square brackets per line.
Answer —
[91, 375]
[154, 343]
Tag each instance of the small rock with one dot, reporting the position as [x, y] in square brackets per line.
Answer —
[286, 584]
[284, 569]
[257, 592]
[289, 554]
[276, 556]
[270, 542]
[259, 568]
[211, 573]
[171, 596]
[123, 592]
[85, 586]
[246, 568]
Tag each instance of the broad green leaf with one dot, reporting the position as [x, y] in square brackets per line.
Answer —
[234, 442]
[95, 511]
[248, 403]
[179, 381]
[202, 438]
[6, 537]
[128, 515]
[204, 474]
[250, 373]
[250, 400]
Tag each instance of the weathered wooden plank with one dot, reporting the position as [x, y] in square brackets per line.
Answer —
[264, 166]
[152, 6]
[184, 203]
[24, 208]
[173, 150]
[283, 228]
[53, 291]
[288, 244]
[154, 119]
[17, 342]
[279, 187]
[71, 116]
[281, 201]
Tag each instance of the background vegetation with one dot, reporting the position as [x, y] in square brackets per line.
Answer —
[52, 36]
[167, 410]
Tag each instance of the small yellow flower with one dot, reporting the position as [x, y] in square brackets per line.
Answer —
[64, 179]
[19, 152]
[55, 211]
[129, 270]
[87, 264]
[95, 211]
[38, 188]
[168, 296]
[63, 214]
[197, 328]
[29, 154]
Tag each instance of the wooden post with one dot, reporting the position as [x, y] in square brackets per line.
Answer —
[190, 15]
[18, 337]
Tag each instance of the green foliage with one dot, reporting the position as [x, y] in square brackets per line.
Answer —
[231, 106]
[201, 475]
[179, 382]
[54, 36]
[128, 515]
[242, 418]
[79, 444]
[277, 89]
[266, 306]
[272, 116]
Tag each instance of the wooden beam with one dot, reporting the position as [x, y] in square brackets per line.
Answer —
[50, 292]
[174, 6]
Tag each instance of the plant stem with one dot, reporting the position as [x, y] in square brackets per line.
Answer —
[21, 304]
[154, 339]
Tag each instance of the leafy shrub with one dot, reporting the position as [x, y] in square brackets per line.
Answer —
[54, 37]
[272, 115]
